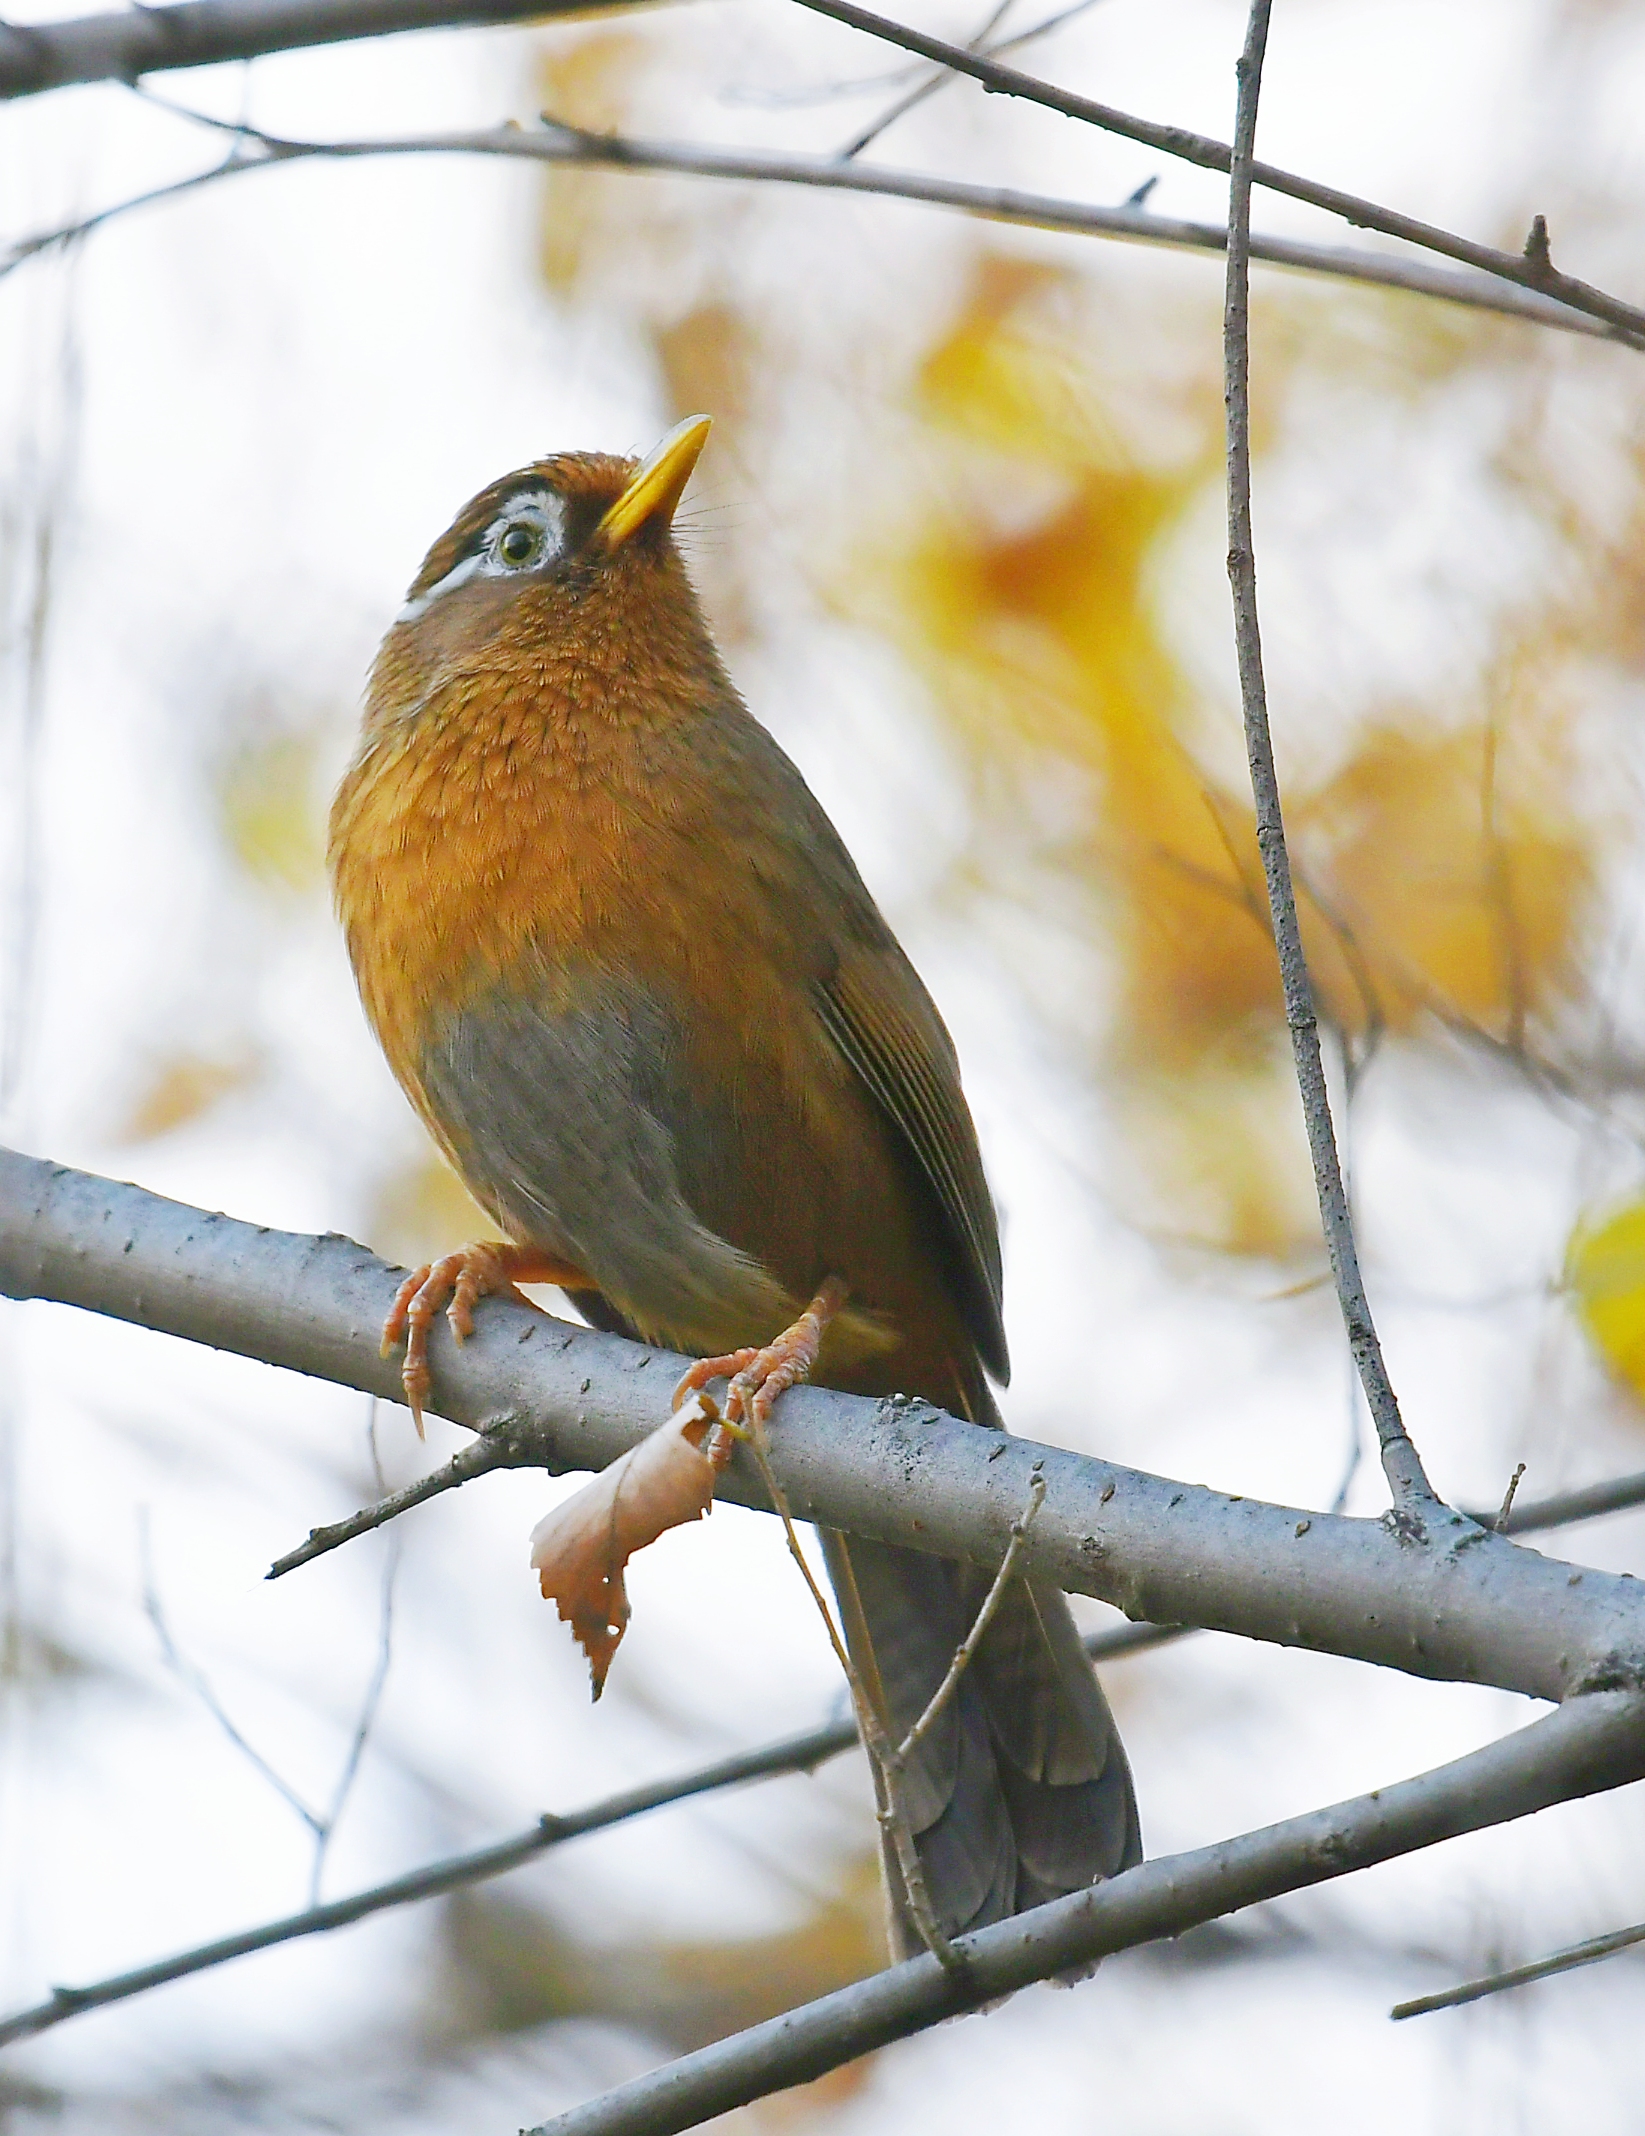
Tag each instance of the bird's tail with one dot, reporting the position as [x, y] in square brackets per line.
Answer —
[1020, 1791]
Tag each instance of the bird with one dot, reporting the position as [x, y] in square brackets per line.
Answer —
[624, 968]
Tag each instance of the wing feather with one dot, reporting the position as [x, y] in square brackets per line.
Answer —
[885, 1024]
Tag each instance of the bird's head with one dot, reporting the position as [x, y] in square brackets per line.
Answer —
[558, 558]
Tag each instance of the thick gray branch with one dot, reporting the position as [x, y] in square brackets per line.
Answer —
[1592, 1744]
[1433, 1595]
[204, 33]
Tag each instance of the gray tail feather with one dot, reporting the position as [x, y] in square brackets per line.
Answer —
[1021, 1791]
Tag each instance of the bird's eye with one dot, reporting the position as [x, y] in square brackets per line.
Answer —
[519, 544]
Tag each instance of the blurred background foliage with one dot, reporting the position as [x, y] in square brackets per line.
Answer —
[960, 533]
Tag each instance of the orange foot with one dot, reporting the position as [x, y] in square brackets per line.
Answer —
[487, 1269]
[758, 1377]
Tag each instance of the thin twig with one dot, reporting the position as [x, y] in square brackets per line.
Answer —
[891, 1808]
[939, 77]
[1500, 1524]
[560, 144]
[793, 1754]
[1529, 272]
[196, 1681]
[492, 1451]
[1400, 1461]
[376, 1683]
[973, 1638]
[1518, 1976]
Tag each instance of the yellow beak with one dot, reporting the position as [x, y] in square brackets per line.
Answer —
[657, 482]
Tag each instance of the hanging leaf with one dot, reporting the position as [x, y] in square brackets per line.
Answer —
[580, 1550]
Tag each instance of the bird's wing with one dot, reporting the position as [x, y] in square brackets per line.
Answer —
[884, 1023]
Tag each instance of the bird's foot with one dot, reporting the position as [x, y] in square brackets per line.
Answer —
[758, 1377]
[488, 1268]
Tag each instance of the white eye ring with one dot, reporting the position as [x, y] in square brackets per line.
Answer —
[538, 512]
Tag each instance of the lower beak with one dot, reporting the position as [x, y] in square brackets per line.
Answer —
[655, 486]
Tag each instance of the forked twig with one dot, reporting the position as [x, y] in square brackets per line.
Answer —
[1531, 270]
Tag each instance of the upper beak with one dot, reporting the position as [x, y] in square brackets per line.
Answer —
[656, 484]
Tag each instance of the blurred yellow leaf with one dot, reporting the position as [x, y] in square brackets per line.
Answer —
[1605, 1273]
[1463, 866]
[270, 812]
[584, 84]
[515, 1965]
[183, 1088]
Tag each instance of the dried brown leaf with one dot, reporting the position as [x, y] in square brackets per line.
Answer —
[581, 1549]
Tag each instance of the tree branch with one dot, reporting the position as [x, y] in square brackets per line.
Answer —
[561, 144]
[792, 1754]
[1434, 1595]
[1592, 1744]
[1520, 1976]
[789, 1754]
[1400, 1460]
[203, 33]
[1532, 269]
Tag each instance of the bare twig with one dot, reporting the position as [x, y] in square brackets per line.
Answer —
[973, 1638]
[557, 143]
[793, 1754]
[891, 1807]
[1500, 1524]
[1593, 1743]
[376, 1683]
[1200, 149]
[194, 1679]
[1519, 1976]
[1400, 1461]
[492, 1451]
[1563, 1509]
[1451, 1602]
[203, 33]
[939, 77]
[789, 1754]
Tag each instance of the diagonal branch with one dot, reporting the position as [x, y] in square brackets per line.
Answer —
[1433, 1594]
[560, 144]
[1590, 1745]
[793, 1754]
[1400, 1460]
[789, 1754]
[203, 33]
[1519, 1976]
[1532, 269]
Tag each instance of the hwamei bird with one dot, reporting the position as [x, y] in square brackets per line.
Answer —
[627, 973]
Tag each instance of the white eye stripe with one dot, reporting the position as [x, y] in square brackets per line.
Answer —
[542, 510]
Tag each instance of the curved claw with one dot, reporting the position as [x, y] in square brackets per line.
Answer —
[488, 1268]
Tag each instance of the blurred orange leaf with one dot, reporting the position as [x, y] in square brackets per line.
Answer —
[580, 1550]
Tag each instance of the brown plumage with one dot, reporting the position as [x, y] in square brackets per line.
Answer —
[629, 976]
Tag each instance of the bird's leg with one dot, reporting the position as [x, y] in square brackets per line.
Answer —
[488, 1268]
[759, 1377]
